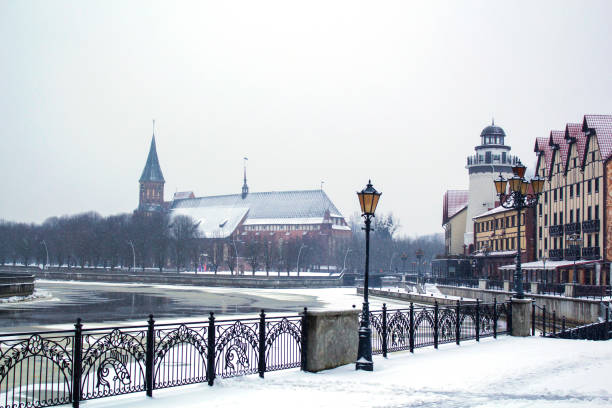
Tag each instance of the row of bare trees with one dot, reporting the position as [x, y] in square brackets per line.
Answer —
[158, 241]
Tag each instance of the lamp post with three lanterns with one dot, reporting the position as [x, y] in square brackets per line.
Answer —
[514, 193]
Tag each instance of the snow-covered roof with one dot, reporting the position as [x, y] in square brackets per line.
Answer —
[269, 205]
[214, 221]
[283, 221]
[550, 265]
[495, 253]
[453, 203]
[341, 227]
[495, 210]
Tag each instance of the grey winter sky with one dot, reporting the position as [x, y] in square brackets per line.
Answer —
[339, 91]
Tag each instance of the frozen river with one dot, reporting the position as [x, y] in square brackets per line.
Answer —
[60, 303]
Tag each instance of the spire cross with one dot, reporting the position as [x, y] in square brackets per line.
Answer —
[154, 127]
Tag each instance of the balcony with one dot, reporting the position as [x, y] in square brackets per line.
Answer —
[572, 228]
[590, 253]
[555, 230]
[590, 226]
[572, 252]
[555, 254]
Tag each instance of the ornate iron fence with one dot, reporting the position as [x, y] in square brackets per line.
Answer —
[552, 326]
[61, 367]
[407, 329]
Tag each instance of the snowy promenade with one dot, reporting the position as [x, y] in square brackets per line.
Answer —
[507, 372]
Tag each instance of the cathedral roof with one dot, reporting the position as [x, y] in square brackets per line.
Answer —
[492, 130]
[152, 171]
[280, 206]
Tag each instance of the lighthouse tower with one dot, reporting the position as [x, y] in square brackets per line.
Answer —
[492, 158]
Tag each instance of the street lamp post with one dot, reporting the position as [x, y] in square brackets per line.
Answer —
[368, 200]
[47, 252]
[391, 262]
[519, 198]
[133, 255]
[574, 240]
[545, 271]
[404, 258]
[345, 255]
[298, 259]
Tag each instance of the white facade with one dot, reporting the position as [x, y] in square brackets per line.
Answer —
[492, 158]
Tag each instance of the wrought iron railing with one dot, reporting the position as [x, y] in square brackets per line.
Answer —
[553, 326]
[495, 284]
[60, 367]
[572, 228]
[407, 329]
[590, 225]
[555, 254]
[555, 230]
[590, 253]
[551, 288]
[591, 291]
[466, 282]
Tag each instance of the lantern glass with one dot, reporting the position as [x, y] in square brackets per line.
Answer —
[537, 184]
[515, 183]
[368, 199]
[500, 185]
[524, 187]
[519, 170]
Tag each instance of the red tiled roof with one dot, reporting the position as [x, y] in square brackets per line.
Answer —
[542, 145]
[574, 130]
[454, 202]
[557, 138]
[602, 125]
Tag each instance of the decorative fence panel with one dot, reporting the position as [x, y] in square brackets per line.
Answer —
[60, 367]
[407, 329]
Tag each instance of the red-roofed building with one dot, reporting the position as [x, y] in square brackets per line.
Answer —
[578, 172]
[454, 215]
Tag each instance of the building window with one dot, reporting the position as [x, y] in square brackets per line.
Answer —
[577, 189]
[540, 209]
[514, 220]
[574, 162]
[545, 196]
[597, 240]
[545, 220]
[561, 217]
[577, 214]
[540, 232]
[589, 213]
[571, 216]
[592, 156]
[540, 254]
[555, 194]
[513, 243]
[589, 243]
[561, 193]
[597, 212]
[597, 185]
[571, 191]
[554, 219]
[545, 243]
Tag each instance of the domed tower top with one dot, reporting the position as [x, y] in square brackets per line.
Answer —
[492, 135]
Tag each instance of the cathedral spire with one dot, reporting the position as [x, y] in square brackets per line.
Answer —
[245, 187]
[152, 170]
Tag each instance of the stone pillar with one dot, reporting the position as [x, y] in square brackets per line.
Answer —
[535, 287]
[332, 339]
[521, 317]
[483, 284]
[506, 286]
[569, 290]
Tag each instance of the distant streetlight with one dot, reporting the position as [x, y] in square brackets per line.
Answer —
[518, 198]
[298, 258]
[368, 200]
[47, 252]
[133, 254]
[345, 255]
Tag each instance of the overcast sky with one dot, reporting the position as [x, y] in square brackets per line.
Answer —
[339, 91]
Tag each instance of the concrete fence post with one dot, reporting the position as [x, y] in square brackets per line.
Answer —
[333, 338]
[483, 284]
[570, 290]
[521, 317]
[506, 286]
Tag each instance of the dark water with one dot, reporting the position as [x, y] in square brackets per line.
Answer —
[64, 302]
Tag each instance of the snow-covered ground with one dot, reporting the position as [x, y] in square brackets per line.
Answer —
[507, 372]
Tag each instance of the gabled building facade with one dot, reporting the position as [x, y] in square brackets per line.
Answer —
[576, 164]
